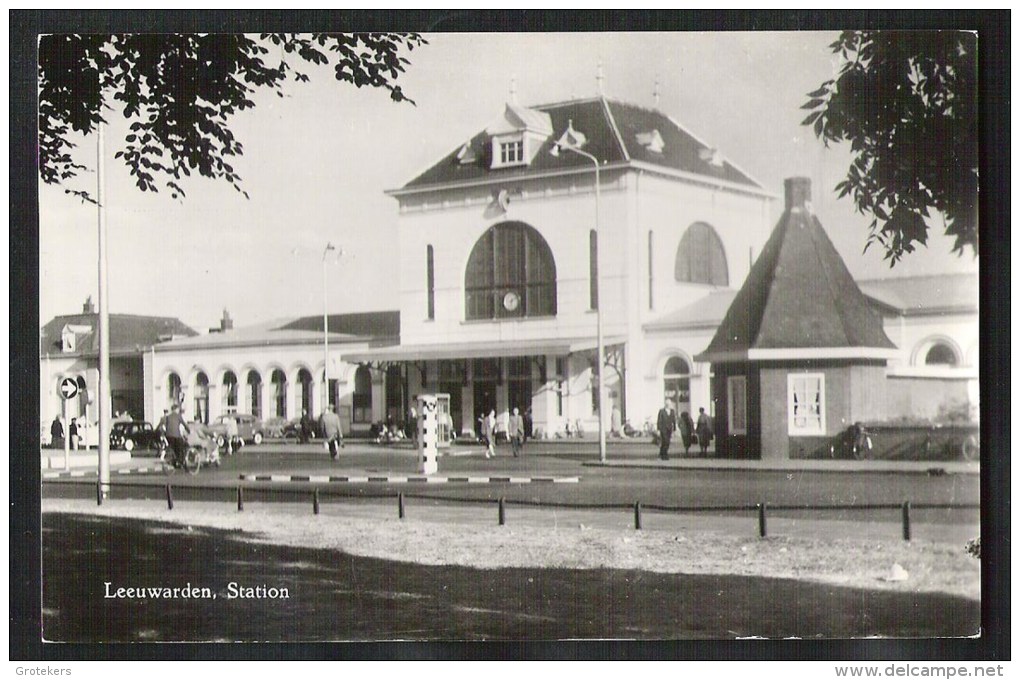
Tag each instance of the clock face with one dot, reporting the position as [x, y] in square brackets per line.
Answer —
[511, 301]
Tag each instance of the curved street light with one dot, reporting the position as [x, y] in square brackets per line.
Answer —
[571, 141]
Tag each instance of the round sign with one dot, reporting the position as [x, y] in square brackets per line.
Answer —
[68, 388]
[511, 301]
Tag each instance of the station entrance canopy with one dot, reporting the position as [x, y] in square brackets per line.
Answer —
[477, 350]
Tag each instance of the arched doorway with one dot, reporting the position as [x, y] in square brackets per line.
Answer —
[278, 379]
[229, 392]
[255, 393]
[202, 398]
[173, 390]
[304, 380]
[676, 381]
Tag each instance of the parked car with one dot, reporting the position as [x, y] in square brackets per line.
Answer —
[249, 428]
[132, 435]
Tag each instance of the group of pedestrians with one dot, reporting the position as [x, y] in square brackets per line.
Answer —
[515, 432]
[668, 422]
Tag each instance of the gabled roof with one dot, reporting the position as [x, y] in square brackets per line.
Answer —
[798, 296]
[129, 333]
[612, 129]
[916, 295]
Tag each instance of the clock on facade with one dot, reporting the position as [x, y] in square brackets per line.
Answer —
[511, 301]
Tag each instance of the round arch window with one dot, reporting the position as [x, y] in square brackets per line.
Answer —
[700, 258]
[677, 383]
[940, 354]
[510, 273]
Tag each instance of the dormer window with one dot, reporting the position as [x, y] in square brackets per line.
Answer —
[651, 140]
[511, 152]
[517, 135]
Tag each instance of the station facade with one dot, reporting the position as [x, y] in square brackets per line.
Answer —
[507, 254]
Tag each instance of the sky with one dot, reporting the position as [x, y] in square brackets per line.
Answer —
[317, 162]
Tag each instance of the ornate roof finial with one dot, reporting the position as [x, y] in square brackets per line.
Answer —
[599, 78]
[513, 90]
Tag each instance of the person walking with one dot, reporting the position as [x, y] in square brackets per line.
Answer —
[489, 433]
[304, 427]
[515, 431]
[332, 431]
[665, 424]
[686, 431]
[56, 433]
[704, 430]
[72, 432]
[176, 431]
[233, 440]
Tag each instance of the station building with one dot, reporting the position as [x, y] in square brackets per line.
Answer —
[501, 283]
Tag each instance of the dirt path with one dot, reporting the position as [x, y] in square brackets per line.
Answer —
[819, 551]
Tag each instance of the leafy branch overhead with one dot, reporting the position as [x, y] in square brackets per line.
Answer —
[179, 92]
[907, 103]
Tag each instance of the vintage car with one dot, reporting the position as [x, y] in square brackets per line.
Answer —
[132, 435]
[249, 428]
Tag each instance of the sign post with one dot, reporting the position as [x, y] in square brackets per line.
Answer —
[427, 434]
[68, 391]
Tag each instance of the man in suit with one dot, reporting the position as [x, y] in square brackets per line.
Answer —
[665, 424]
[515, 430]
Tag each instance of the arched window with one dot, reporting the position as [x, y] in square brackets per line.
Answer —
[304, 379]
[941, 354]
[279, 382]
[173, 389]
[701, 258]
[202, 398]
[510, 273]
[255, 393]
[363, 395]
[229, 392]
[676, 380]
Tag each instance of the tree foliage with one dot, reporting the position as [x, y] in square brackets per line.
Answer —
[907, 103]
[180, 91]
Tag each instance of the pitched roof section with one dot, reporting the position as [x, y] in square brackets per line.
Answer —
[129, 333]
[371, 324]
[799, 295]
[915, 295]
[612, 129]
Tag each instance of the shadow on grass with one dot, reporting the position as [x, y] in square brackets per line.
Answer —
[336, 596]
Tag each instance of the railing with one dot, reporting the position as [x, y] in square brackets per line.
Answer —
[760, 510]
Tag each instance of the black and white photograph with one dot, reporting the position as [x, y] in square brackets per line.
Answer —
[510, 336]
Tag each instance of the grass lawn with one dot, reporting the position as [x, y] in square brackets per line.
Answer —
[334, 595]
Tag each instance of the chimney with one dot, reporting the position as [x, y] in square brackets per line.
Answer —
[798, 193]
[226, 323]
[88, 307]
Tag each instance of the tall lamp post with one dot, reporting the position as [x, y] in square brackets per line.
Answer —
[571, 141]
[325, 329]
[105, 401]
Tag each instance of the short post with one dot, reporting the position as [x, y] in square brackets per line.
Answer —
[169, 498]
[637, 515]
[99, 493]
[400, 505]
[315, 502]
[906, 520]
[762, 529]
[240, 499]
[502, 511]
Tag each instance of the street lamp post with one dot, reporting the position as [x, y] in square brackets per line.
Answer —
[564, 143]
[325, 329]
[105, 401]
